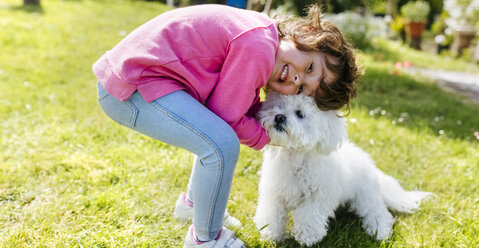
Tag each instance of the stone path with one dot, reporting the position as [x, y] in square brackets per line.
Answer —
[460, 82]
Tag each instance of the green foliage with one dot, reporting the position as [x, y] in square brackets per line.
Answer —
[71, 177]
[462, 13]
[416, 11]
[328, 6]
[398, 24]
[359, 30]
[376, 6]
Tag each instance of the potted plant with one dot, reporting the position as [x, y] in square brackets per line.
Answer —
[416, 14]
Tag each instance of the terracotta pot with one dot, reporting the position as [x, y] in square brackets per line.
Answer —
[414, 29]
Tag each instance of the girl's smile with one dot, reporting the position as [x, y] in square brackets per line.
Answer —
[299, 72]
[284, 73]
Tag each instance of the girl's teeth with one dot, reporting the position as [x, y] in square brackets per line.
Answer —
[283, 74]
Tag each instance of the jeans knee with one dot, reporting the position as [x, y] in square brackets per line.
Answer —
[224, 151]
[230, 147]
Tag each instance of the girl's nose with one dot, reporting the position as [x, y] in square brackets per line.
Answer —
[297, 79]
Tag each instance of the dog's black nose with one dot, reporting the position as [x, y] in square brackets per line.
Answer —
[279, 119]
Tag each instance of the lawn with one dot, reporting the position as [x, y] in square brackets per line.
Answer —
[71, 177]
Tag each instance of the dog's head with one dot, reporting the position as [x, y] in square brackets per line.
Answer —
[296, 122]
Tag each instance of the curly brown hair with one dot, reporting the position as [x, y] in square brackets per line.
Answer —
[310, 33]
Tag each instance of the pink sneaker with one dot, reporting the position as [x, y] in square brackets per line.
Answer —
[184, 208]
[225, 239]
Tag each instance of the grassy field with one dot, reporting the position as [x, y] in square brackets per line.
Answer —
[71, 177]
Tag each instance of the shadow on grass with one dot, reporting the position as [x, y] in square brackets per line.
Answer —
[343, 231]
[417, 104]
[29, 8]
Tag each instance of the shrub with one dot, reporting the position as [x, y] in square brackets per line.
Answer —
[358, 29]
[416, 11]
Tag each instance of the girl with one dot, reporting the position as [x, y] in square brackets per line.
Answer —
[191, 77]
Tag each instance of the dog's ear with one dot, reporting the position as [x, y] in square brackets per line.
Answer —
[332, 132]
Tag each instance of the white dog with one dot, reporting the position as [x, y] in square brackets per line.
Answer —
[314, 169]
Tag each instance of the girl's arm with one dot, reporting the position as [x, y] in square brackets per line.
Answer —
[245, 71]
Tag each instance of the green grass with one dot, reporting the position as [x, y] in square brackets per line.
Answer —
[71, 177]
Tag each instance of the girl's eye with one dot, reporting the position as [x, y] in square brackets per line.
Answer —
[300, 89]
[310, 68]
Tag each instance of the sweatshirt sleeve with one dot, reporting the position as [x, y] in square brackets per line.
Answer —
[246, 69]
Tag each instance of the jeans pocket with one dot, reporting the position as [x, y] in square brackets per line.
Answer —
[124, 113]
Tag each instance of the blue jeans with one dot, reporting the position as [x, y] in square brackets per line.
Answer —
[180, 120]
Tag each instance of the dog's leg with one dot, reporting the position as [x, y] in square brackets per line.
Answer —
[310, 222]
[270, 218]
[272, 213]
[377, 221]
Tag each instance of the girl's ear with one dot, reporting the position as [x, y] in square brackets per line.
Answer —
[332, 132]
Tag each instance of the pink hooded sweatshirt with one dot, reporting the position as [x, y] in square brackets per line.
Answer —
[222, 56]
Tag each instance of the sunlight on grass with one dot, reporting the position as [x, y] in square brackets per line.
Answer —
[71, 177]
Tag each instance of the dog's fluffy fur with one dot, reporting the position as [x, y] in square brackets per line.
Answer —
[311, 169]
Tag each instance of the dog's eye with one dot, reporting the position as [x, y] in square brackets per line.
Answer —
[299, 114]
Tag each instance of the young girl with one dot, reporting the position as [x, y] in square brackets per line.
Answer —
[191, 77]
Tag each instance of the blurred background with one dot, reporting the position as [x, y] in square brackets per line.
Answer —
[445, 27]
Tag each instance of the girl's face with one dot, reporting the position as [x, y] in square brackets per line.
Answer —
[299, 72]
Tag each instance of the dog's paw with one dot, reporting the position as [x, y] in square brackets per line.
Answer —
[379, 227]
[272, 234]
[308, 235]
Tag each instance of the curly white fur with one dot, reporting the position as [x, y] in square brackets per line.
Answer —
[313, 169]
